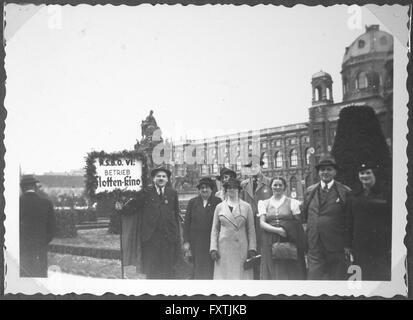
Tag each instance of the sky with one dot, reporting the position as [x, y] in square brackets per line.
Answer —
[82, 78]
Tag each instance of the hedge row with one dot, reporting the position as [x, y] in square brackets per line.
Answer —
[67, 219]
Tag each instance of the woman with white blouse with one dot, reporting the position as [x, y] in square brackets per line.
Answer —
[280, 222]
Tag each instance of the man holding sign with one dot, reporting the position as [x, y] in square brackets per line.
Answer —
[159, 227]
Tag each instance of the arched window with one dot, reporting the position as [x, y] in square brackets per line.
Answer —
[278, 159]
[318, 93]
[362, 80]
[293, 158]
[239, 164]
[226, 162]
[374, 80]
[345, 85]
[293, 184]
[215, 167]
[265, 159]
[307, 156]
[205, 170]
[329, 94]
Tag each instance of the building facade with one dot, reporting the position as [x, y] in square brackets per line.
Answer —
[293, 150]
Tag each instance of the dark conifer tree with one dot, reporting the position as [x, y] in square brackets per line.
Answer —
[359, 139]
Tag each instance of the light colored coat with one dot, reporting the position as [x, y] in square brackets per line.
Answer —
[232, 235]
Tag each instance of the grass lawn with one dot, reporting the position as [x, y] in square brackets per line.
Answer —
[91, 267]
[96, 238]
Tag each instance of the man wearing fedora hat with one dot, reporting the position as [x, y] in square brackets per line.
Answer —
[324, 210]
[158, 228]
[37, 227]
[197, 229]
[255, 188]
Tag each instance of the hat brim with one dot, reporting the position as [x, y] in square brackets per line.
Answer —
[28, 182]
[319, 166]
[249, 165]
[229, 172]
[155, 171]
[209, 184]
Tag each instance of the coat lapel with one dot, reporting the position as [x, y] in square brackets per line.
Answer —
[229, 215]
[155, 195]
[248, 188]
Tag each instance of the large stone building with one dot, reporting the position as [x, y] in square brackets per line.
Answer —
[293, 150]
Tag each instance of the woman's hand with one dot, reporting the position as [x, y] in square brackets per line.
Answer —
[215, 255]
[280, 231]
[187, 250]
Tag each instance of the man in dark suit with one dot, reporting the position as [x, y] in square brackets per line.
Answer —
[160, 227]
[324, 210]
[37, 227]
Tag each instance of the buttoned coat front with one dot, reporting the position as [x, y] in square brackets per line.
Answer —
[326, 221]
[232, 235]
[197, 232]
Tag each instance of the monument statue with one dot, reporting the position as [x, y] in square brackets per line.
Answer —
[148, 127]
[151, 136]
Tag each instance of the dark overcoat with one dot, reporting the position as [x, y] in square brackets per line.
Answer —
[37, 228]
[369, 225]
[197, 232]
[326, 221]
[155, 237]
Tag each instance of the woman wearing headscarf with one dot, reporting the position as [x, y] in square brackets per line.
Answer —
[280, 222]
[197, 229]
[233, 238]
[369, 223]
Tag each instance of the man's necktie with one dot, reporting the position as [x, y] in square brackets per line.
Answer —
[160, 193]
[254, 184]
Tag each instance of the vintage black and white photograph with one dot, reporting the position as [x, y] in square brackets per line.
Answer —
[210, 149]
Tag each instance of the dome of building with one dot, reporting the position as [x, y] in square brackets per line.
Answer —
[372, 41]
[321, 74]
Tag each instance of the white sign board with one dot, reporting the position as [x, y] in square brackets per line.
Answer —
[120, 174]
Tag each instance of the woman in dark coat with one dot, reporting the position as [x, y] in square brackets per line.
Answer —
[280, 221]
[197, 229]
[369, 223]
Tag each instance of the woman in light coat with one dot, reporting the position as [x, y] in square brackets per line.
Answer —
[233, 238]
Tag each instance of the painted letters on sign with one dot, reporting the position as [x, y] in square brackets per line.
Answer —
[120, 174]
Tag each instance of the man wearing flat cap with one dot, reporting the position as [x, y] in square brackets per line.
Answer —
[159, 226]
[324, 210]
[197, 229]
[37, 227]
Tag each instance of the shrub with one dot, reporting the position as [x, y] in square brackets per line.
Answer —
[66, 223]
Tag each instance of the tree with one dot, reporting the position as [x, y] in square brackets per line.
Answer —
[359, 139]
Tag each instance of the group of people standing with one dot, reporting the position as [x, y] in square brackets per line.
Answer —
[251, 229]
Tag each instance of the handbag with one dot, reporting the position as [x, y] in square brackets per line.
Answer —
[284, 251]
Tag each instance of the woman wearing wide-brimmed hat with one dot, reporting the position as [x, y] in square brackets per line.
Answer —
[233, 238]
[197, 229]
[369, 224]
